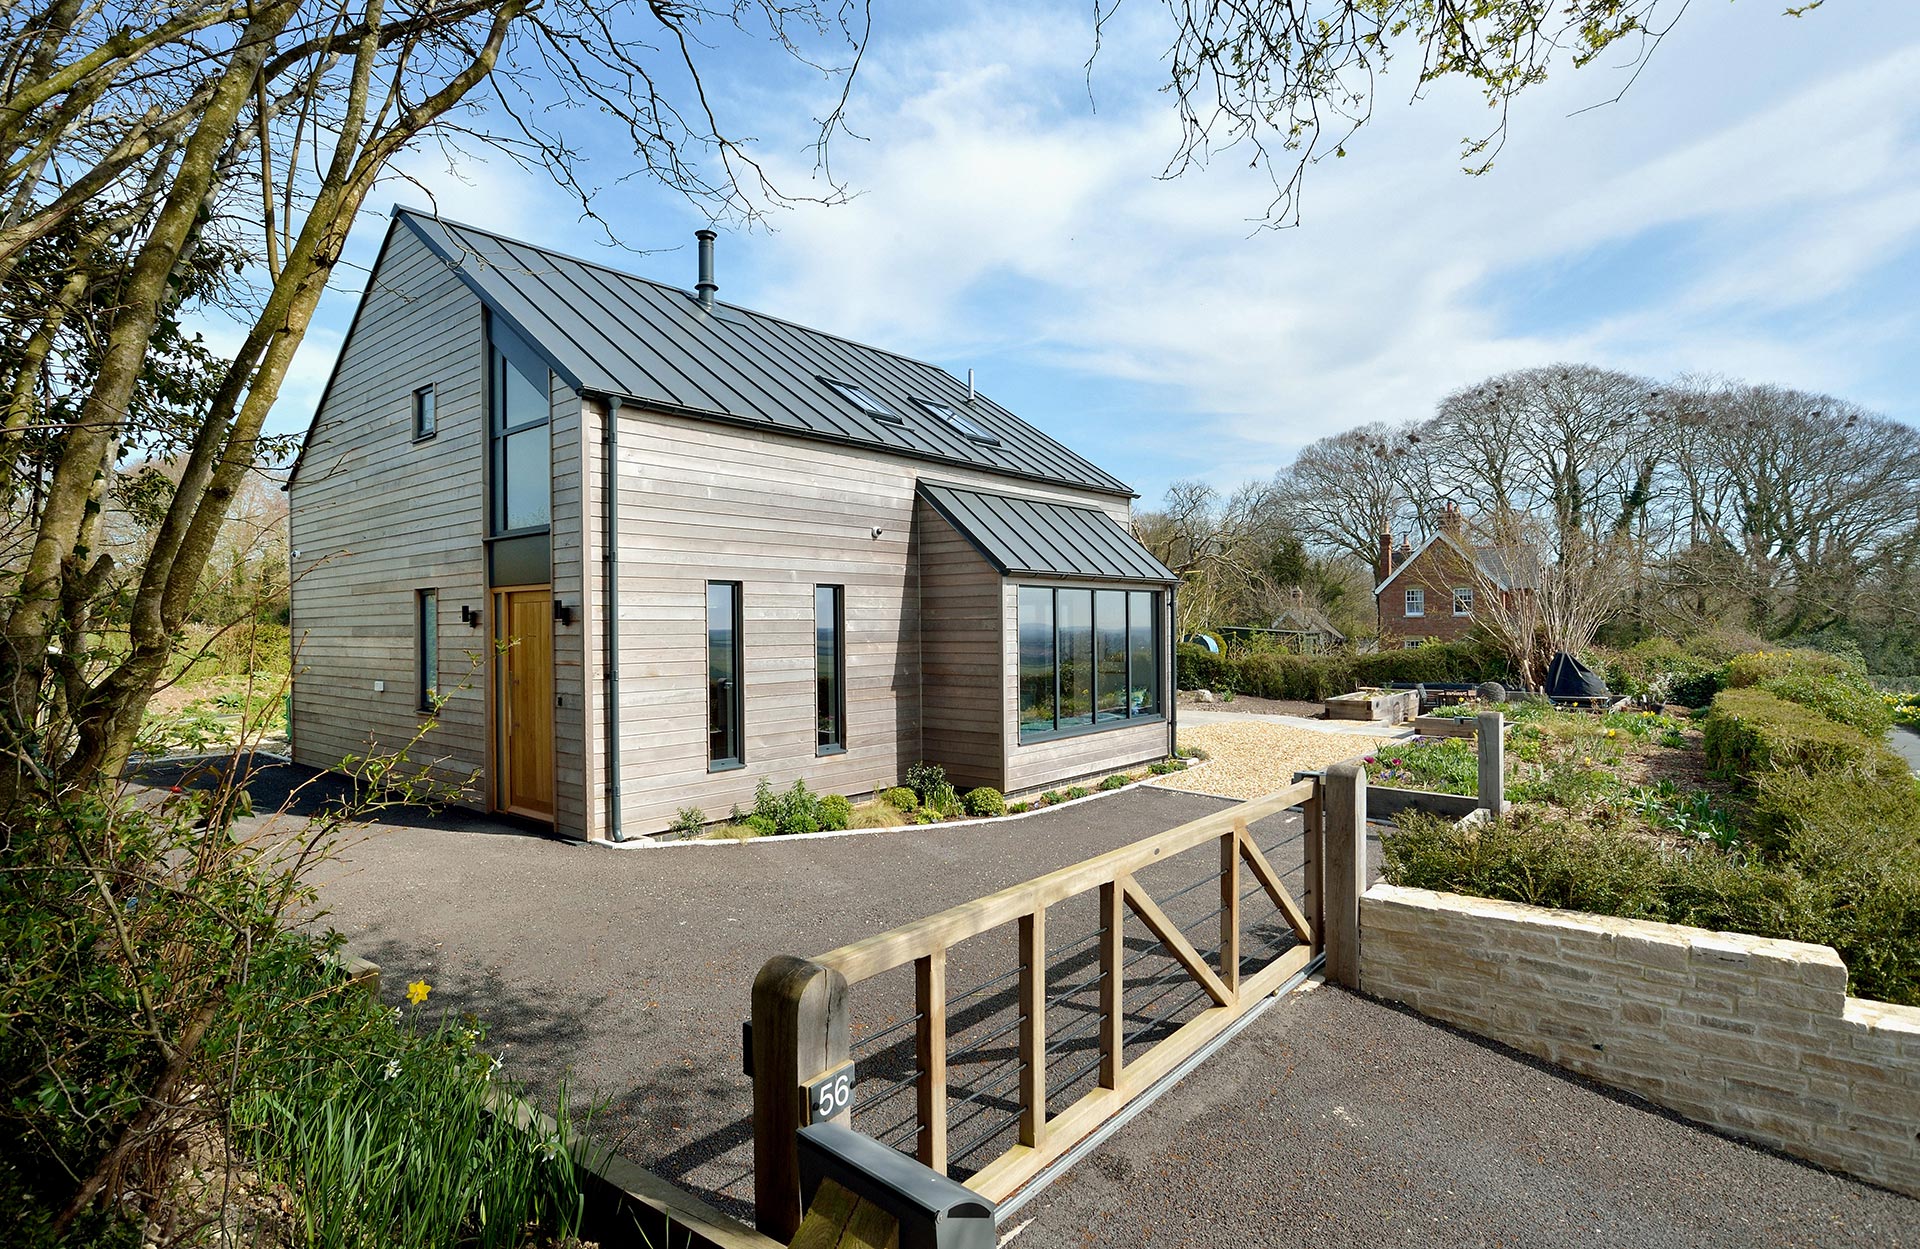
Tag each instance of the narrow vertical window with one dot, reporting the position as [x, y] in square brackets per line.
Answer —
[423, 418]
[522, 443]
[1036, 661]
[724, 705]
[427, 637]
[1073, 611]
[1143, 652]
[830, 667]
[1416, 602]
[1110, 654]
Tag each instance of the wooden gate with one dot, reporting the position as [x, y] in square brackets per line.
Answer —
[815, 1056]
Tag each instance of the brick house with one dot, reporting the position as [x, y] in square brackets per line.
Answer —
[1427, 593]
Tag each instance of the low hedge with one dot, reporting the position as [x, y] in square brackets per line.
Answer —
[1844, 876]
[1750, 731]
[1312, 678]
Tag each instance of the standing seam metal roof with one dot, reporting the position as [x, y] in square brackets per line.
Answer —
[1022, 536]
[611, 333]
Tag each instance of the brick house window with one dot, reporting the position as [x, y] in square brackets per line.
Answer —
[1416, 602]
[1463, 600]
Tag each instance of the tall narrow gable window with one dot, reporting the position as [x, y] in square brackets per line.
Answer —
[522, 444]
[424, 420]
[726, 704]
[830, 668]
[427, 654]
[1416, 602]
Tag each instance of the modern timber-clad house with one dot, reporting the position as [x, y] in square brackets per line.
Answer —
[644, 549]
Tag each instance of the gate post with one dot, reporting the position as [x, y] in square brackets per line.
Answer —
[799, 1034]
[1490, 730]
[1344, 868]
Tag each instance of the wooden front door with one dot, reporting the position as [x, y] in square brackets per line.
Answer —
[523, 701]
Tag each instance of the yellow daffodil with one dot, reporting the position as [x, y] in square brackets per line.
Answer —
[417, 991]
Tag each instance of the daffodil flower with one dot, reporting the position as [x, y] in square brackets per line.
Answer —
[417, 991]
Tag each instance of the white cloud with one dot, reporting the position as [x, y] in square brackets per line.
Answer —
[999, 214]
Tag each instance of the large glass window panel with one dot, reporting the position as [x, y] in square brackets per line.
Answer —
[829, 666]
[527, 479]
[1110, 653]
[1036, 661]
[522, 399]
[1074, 613]
[724, 704]
[1143, 653]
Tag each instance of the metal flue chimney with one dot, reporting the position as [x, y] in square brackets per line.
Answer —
[704, 289]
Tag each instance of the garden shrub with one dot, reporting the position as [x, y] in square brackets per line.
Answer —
[1272, 673]
[1663, 670]
[1050, 798]
[1078, 791]
[798, 810]
[925, 779]
[688, 821]
[1019, 808]
[985, 802]
[836, 812]
[1758, 667]
[1750, 730]
[1116, 781]
[1845, 873]
[900, 798]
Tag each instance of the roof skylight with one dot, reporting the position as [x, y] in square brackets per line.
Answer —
[862, 398]
[961, 422]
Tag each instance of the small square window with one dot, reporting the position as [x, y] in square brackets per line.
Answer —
[962, 422]
[1416, 602]
[1463, 600]
[862, 398]
[1410, 644]
[423, 414]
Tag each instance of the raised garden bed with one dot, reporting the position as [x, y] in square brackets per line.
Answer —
[1374, 706]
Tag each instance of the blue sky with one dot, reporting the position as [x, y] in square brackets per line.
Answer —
[1750, 208]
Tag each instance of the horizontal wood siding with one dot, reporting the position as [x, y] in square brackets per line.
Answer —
[570, 735]
[960, 655]
[1057, 761]
[375, 516]
[701, 501]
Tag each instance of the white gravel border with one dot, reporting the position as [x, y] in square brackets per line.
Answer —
[656, 843]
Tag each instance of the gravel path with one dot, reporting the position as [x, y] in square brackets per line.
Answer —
[1258, 757]
[1337, 1121]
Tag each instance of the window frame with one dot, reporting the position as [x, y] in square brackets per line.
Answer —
[737, 702]
[430, 426]
[1416, 602]
[1094, 724]
[838, 746]
[863, 400]
[960, 422]
[1458, 592]
[507, 350]
[426, 648]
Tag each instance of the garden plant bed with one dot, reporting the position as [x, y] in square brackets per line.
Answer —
[1253, 705]
[1379, 706]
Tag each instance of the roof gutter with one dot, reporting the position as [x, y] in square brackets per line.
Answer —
[610, 579]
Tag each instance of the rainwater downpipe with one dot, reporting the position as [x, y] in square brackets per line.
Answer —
[610, 556]
[1173, 675]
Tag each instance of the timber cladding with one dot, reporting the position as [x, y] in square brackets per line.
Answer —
[699, 502]
[1751, 1035]
[375, 515]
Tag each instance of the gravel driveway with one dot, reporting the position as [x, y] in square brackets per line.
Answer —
[1253, 757]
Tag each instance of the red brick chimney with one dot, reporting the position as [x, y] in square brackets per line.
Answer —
[1452, 523]
[1383, 566]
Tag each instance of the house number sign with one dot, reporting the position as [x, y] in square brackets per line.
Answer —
[831, 1095]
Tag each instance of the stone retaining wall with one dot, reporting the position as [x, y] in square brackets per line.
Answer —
[1753, 1036]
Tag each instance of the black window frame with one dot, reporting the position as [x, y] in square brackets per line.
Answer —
[426, 648]
[1131, 718]
[960, 422]
[864, 400]
[426, 413]
[737, 698]
[838, 687]
[507, 349]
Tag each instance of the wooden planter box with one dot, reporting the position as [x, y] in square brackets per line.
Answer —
[1375, 706]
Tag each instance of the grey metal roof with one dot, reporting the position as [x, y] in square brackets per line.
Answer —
[611, 333]
[1034, 537]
